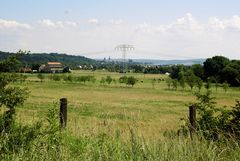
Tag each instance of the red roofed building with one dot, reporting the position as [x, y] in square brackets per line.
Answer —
[51, 67]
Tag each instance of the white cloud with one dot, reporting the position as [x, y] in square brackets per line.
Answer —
[116, 22]
[13, 24]
[226, 24]
[47, 23]
[216, 24]
[57, 24]
[93, 21]
[71, 23]
[183, 37]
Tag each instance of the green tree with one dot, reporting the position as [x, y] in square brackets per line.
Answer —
[208, 84]
[153, 81]
[182, 82]
[102, 81]
[198, 70]
[174, 84]
[214, 66]
[10, 96]
[109, 79]
[131, 81]
[123, 79]
[199, 83]
[11, 64]
[169, 82]
[176, 70]
[225, 86]
[190, 79]
[231, 74]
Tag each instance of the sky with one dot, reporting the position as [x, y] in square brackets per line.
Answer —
[158, 29]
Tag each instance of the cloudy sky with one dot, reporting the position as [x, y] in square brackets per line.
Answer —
[158, 29]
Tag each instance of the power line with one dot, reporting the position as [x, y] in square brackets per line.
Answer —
[172, 56]
[124, 48]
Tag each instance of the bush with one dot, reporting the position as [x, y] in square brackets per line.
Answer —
[225, 86]
[109, 79]
[32, 141]
[84, 79]
[169, 82]
[68, 78]
[102, 81]
[54, 77]
[128, 80]
[131, 81]
[41, 77]
[10, 97]
[153, 81]
[123, 79]
[215, 123]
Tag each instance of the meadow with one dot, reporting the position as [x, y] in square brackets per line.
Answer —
[153, 110]
[145, 115]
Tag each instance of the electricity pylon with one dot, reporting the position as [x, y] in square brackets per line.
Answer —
[124, 48]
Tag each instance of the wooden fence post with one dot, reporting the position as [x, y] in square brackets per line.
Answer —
[192, 119]
[63, 112]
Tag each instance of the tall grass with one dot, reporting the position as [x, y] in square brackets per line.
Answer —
[105, 147]
[47, 142]
[133, 119]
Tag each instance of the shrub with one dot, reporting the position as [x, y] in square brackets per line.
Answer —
[102, 81]
[109, 79]
[174, 84]
[131, 81]
[85, 79]
[182, 82]
[41, 77]
[10, 97]
[225, 86]
[123, 79]
[215, 123]
[153, 81]
[169, 82]
[199, 83]
[68, 78]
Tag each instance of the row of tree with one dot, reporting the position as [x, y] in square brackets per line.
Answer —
[67, 78]
[217, 69]
[129, 81]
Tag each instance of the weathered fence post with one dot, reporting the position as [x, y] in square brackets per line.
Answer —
[192, 119]
[63, 112]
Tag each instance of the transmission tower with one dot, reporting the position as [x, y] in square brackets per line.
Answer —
[124, 48]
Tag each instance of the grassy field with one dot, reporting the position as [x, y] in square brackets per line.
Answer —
[111, 122]
[94, 107]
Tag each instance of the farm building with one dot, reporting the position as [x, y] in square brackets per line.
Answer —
[51, 67]
[25, 70]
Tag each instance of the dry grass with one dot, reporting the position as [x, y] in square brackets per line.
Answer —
[93, 108]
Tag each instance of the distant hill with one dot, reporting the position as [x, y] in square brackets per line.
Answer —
[169, 62]
[42, 58]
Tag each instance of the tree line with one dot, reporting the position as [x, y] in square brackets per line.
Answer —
[218, 70]
[34, 60]
[128, 81]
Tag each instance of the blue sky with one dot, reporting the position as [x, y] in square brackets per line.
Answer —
[189, 28]
[134, 10]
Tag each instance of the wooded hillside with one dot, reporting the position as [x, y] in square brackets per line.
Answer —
[42, 58]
